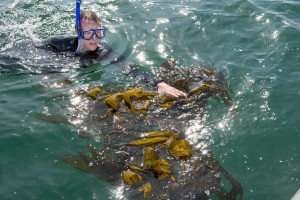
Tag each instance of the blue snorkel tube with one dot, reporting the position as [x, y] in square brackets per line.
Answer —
[78, 27]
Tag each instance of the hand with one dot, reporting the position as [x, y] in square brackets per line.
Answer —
[165, 89]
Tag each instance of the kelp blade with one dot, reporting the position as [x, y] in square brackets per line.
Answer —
[92, 93]
[147, 189]
[180, 149]
[130, 177]
[148, 141]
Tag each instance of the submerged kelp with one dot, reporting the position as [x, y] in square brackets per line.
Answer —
[195, 176]
[168, 178]
[146, 148]
[197, 81]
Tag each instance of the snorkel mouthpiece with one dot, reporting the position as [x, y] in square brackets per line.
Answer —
[78, 27]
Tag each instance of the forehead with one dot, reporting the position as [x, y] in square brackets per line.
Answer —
[89, 24]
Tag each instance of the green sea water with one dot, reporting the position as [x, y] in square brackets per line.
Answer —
[255, 43]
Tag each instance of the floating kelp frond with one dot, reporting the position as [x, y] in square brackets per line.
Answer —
[77, 162]
[96, 163]
[136, 168]
[149, 155]
[205, 169]
[152, 161]
[180, 149]
[180, 84]
[171, 140]
[172, 75]
[168, 104]
[167, 98]
[167, 101]
[55, 118]
[148, 141]
[191, 79]
[128, 96]
[163, 151]
[147, 188]
[215, 79]
[130, 177]
[159, 166]
[141, 107]
[93, 93]
[138, 100]
[199, 89]
[113, 101]
[111, 112]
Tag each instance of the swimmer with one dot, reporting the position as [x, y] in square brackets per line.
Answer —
[88, 45]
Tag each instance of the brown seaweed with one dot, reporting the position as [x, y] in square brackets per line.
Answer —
[158, 164]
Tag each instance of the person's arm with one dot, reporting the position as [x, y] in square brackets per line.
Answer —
[106, 53]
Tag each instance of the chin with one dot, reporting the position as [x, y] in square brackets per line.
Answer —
[93, 48]
[90, 47]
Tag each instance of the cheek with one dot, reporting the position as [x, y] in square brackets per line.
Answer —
[85, 44]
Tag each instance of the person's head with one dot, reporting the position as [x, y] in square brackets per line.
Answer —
[91, 29]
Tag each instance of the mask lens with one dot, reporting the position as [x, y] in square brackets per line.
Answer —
[100, 33]
[89, 34]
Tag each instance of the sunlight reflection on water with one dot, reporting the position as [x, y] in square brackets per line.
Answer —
[254, 42]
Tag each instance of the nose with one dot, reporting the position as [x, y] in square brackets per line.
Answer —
[94, 36]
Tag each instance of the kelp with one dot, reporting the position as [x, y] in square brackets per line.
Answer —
[160, 168]
[197, 80]
[114, 100]
[94, 92]
[95, 164]
[130, 177]
[199, 89]
[148, 141]
[149, 155]
[180, 149]
[55, 118]
[153, 163]
[136, 168]
[147, 189]
[77, 162]
[153, 138]
[194, 81]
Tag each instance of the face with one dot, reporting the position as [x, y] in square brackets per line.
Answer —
[92, 44]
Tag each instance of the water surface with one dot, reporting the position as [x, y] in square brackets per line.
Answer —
[254, 43]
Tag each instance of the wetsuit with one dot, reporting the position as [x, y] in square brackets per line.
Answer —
[62, 44]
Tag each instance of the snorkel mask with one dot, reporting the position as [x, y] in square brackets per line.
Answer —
[78, 28]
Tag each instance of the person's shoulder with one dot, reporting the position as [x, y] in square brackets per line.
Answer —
[61, 38]
[58, 40]
[62, 43]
